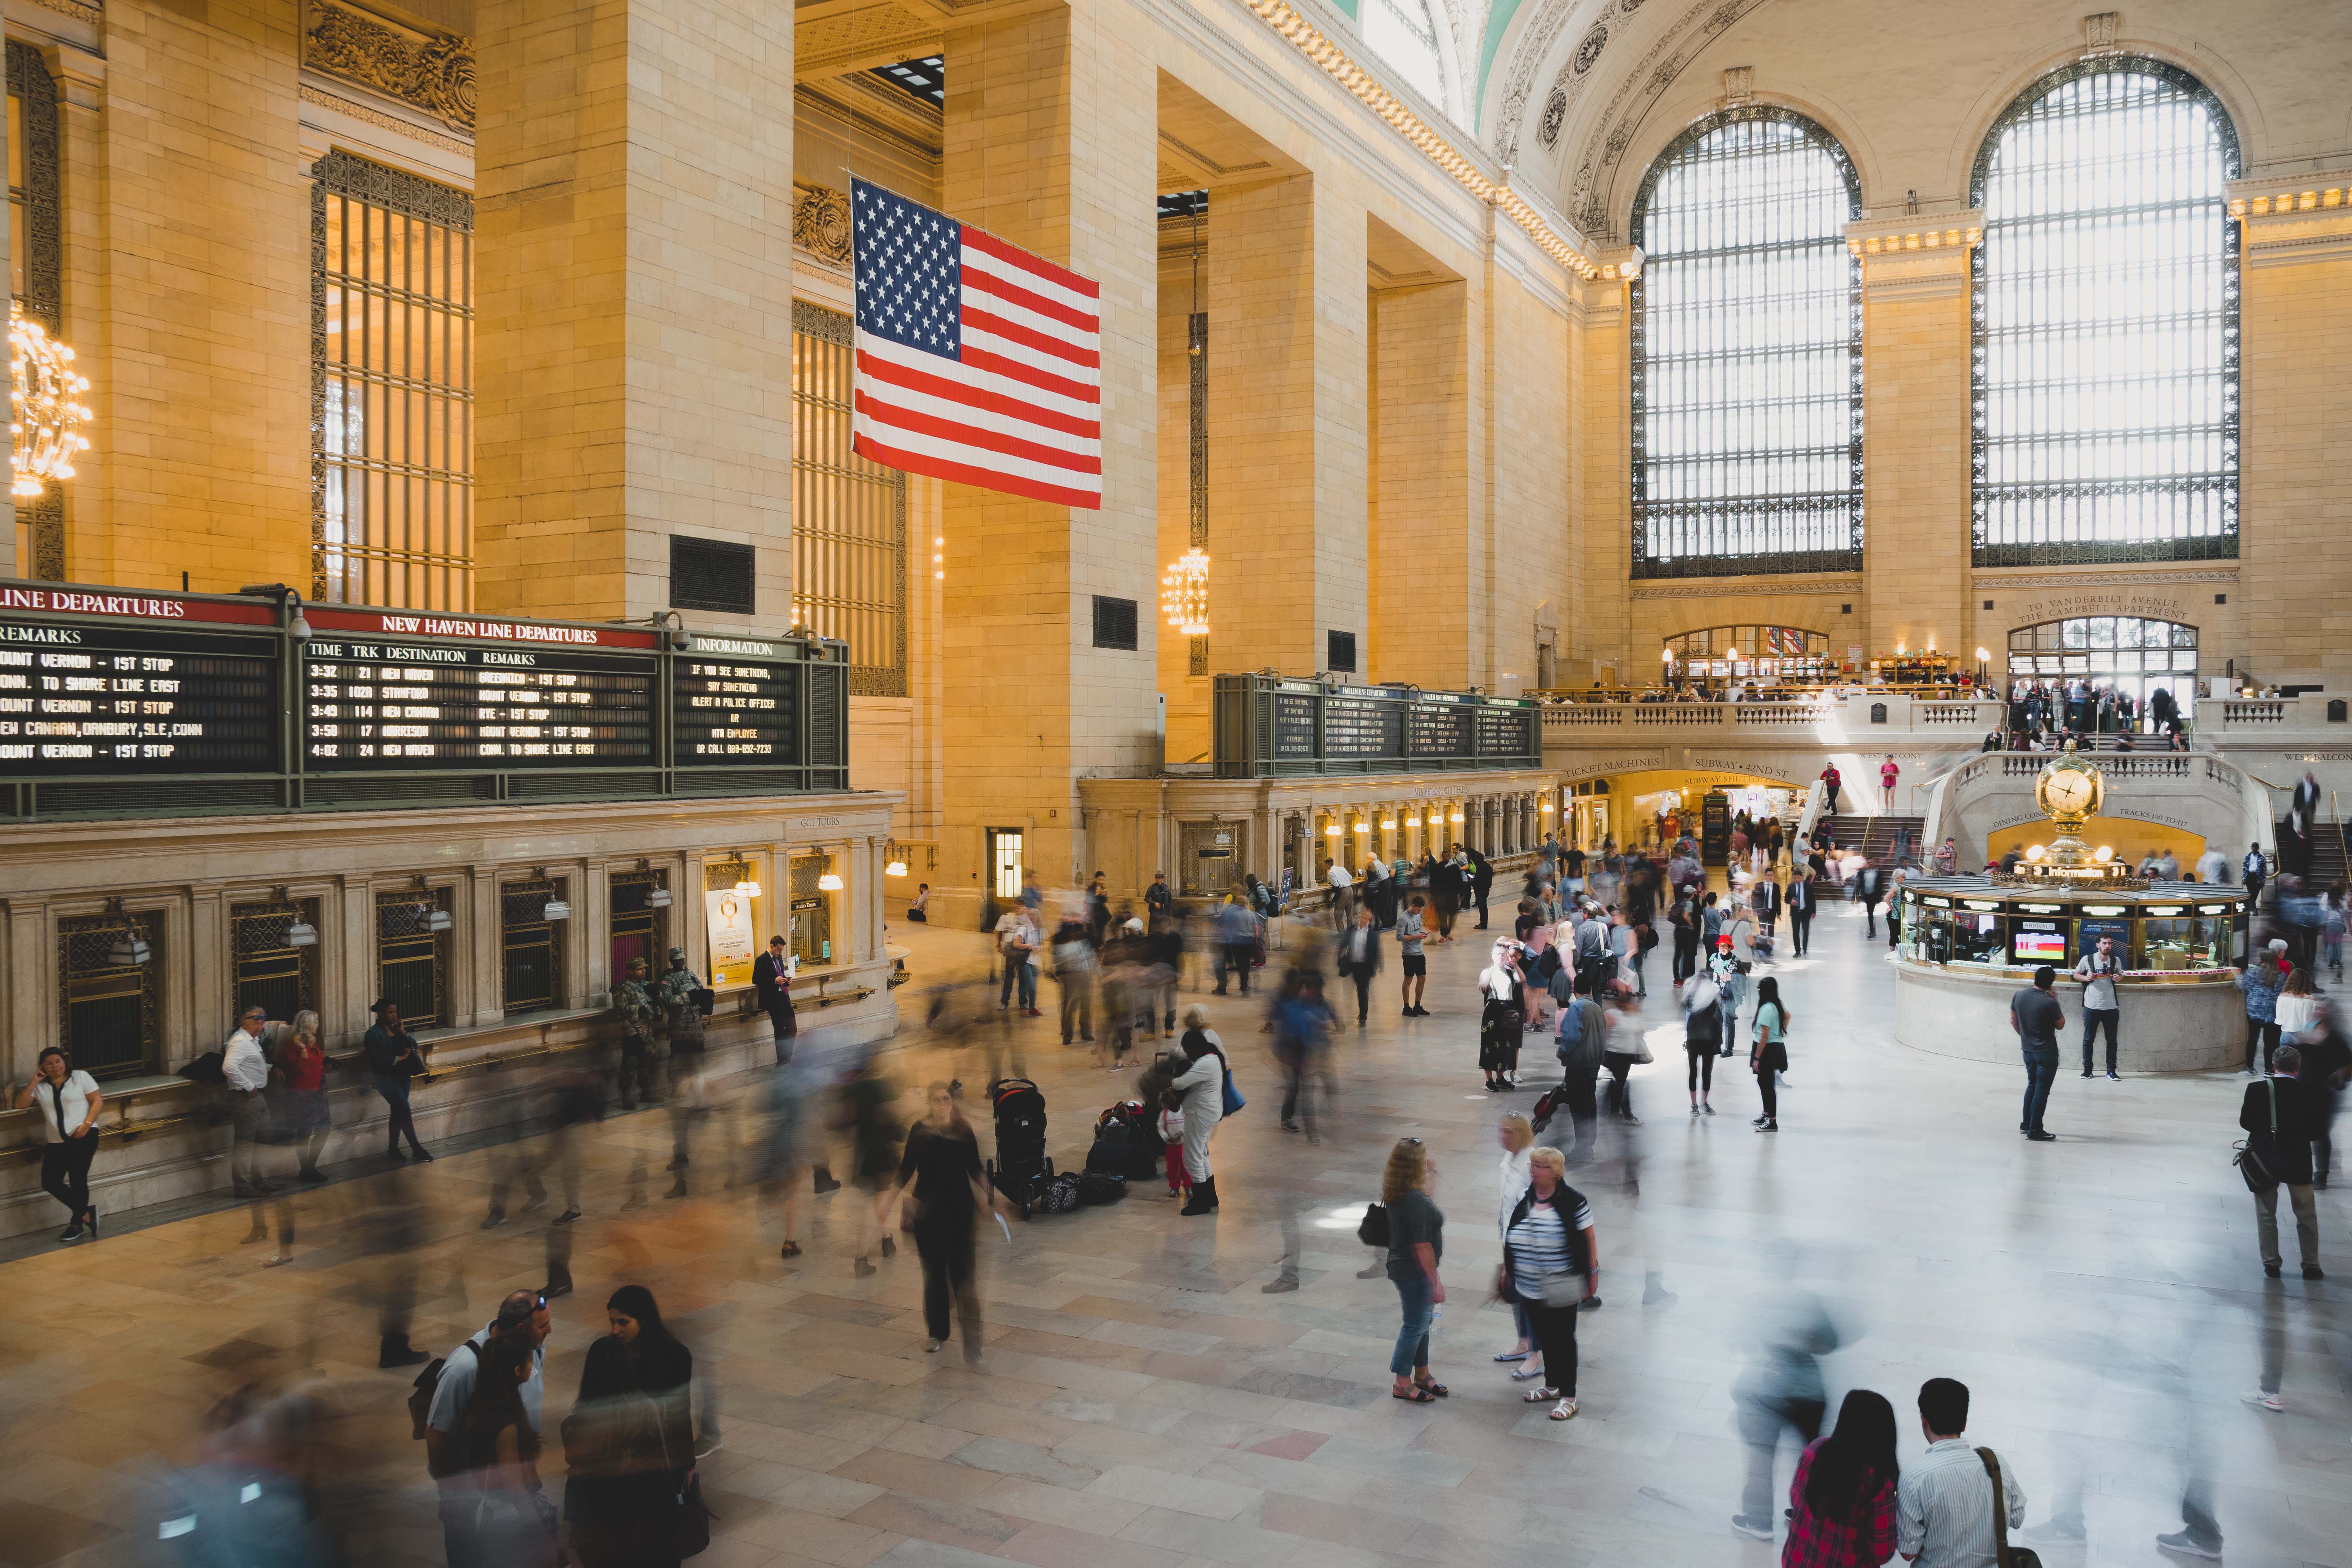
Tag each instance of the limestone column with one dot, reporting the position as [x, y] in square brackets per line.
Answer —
[1916, 495]
[2295, 293]
[1050, 145]
[82, 239]
[1600, 608]
[633, 267]
[1424, 587]
[1288, 447]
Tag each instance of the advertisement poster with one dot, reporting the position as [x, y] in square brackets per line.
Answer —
[734, 945]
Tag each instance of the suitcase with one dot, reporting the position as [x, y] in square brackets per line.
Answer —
[1546, 1106]
[1022, 1170]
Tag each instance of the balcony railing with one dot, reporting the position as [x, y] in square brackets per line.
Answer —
[1860, 717]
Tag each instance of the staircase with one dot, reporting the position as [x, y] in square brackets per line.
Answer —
[1874, 835]
[2327, 859]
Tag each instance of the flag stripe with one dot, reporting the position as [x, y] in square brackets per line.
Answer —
[1013, 332]
[1081, 292]
[979, 356]
[981, 371]
[918, 388]
[946, 462]
[1011, 291]
[902, 417]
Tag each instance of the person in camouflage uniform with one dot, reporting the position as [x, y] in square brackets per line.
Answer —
[688, 1097]
[639, 1012]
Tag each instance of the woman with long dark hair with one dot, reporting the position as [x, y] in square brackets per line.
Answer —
[629, 1442]
[1842, 1503]
[503, 1517]
[940, 1179]
[1767, 1050]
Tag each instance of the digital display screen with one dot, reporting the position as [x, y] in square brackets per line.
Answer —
[385, 704]
[2039, 946]
[102, 700]
[729, 710]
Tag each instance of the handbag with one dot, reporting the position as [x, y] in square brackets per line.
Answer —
[2259, 1164]
[2004, 1554]
[693, 1517]
[1232, 1097]
[1374, 1230]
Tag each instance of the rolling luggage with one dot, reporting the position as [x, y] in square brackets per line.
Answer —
[1022, 1169]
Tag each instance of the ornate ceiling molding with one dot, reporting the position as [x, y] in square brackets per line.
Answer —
[366, 114]
[1705, 587]
[1432, 144]
[874, 35]
[430, 71]
[1643, 86]
[2095, 581]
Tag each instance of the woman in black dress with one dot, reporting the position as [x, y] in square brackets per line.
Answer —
[505, 1519]
[1505, 1018]
[940, 1179]
[630, 1440]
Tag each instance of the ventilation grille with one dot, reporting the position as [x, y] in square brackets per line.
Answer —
[159, 797]
[398, 791]
[712, 575]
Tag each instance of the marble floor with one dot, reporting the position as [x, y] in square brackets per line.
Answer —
[1143, 1401]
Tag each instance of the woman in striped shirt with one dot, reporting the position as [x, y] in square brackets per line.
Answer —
[1551, 1262]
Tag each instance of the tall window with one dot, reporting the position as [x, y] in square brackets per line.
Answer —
[1404, 34]
[1747, 353]
[849, 515]
[391, 387]
[2106, 371]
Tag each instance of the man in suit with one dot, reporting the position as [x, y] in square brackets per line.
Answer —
[1360, 959]
[771, 979]
[1800, 910]
[2277, 1115]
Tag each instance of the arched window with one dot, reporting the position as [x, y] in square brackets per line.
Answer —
[2105, 301]
[1404, 34]
[1747, 353]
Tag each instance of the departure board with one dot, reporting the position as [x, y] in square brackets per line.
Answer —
[371, 704]
[730, 709]
[99, 699]
[1360, 726]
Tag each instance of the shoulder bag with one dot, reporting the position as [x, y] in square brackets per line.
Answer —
[2004, 1554]
[1233, 1100]
[2258, 1162]
[1374, 1230]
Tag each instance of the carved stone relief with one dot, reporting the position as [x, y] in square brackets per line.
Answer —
[434, 72]
[820, 223]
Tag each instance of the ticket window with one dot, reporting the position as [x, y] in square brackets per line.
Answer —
[112, 1025]
[639, 930]
[2194, 941]
[812, 937]
[270, 972]
[533, 946]
[412, 951]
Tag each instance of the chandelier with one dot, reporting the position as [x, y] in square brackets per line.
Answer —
[43, 416]
[1184, 593]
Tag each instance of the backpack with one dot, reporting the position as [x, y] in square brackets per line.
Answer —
[1374, 1230]
[428, 1382]
[1101, 1187]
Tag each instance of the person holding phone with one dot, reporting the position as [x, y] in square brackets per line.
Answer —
[68, 1102]
[393, 1059]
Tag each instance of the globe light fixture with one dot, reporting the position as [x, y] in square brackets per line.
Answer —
[45, 410]
[895, 868]
[1184, 593]
[830, 882]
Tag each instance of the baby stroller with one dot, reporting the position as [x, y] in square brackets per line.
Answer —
[1022, 1170]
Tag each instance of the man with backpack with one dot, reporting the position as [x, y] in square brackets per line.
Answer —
[446, 1390]
[2277, 1116]
[1582, 1038]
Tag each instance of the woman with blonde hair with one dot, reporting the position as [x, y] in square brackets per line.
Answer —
[1416, 1245]
[1551, 1266]
[2297, 1008]
[1516, 1136]
[303, 1096]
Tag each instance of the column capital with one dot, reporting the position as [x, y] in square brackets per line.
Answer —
[80, 76]
[1913, 256]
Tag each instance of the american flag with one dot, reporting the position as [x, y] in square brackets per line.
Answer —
[976, 361]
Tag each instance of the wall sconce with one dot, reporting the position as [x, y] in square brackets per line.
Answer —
[555, 909]
[301, 933]
[437, 919]
[1363, 826]
[1331, 830]
[829, 882]
[1457, 816]
[130, 950]
[1547, 806]
[658, 898]
[895, 868]
[1388, 824]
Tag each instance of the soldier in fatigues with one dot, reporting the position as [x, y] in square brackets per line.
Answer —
[688, 1097]
[639, 1012]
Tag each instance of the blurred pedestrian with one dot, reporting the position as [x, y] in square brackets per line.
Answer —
[865, 1097]
[1622, 1049]
[771, 984]
[1550, 1269]
[791, 1136]
[1781, 1391]
[245, 1070]
[1302, 1022]
[628, 1444]
[1581, 1046]
[2261, 981]
[1517, 1139]
[1236, 944]
[1482, 881]
[2326, 1064]
[302, 1110]
[1416, 1247]
[1074, 971]
[1954, 1508]
[685, 1003]
[1841, 1502]
[2277, 1115]
[1017, 942]
[68, 1100]
[250, 1498]
[504, 1513]
[940, 1179]
[639, 1014]
[1702, 1005]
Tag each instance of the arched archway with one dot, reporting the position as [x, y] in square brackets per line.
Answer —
[2134, 655]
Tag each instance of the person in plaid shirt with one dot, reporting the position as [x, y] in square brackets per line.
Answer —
[1842, 1512]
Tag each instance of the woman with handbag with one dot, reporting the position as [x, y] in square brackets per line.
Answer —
[1551, 1262]
[629, 1442]
[1768, 1051]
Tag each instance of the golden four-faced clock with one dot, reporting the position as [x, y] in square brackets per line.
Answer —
[2070, 789]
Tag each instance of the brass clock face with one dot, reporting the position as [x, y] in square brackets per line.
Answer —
[2066, 792]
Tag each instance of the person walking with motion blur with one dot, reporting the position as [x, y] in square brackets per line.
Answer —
[2261, 980]
[246, 1071]
[1505, 1018]
[1516, 1136]
[1236, 943]
[1768, 1051]
[1302, 1022]
[629, 1445]
[303, 1094]
[68, 1102]
[867, 1095]
[1702, 1039]
[2277, 1117]
[1551, 1266]
[638, 1013]
[394, 1059]
[1781, 1390]
[1203, 1084]
[940, 1178]
[1842, 1503]
[1416, 1247]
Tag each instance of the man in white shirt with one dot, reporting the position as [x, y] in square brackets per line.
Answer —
[246, 1071]
[1377, 893]
[1944, 1503]
[2213, 866]
[1343, 894]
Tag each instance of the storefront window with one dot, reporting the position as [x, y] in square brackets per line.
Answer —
[812, 932]
[2190, 942]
